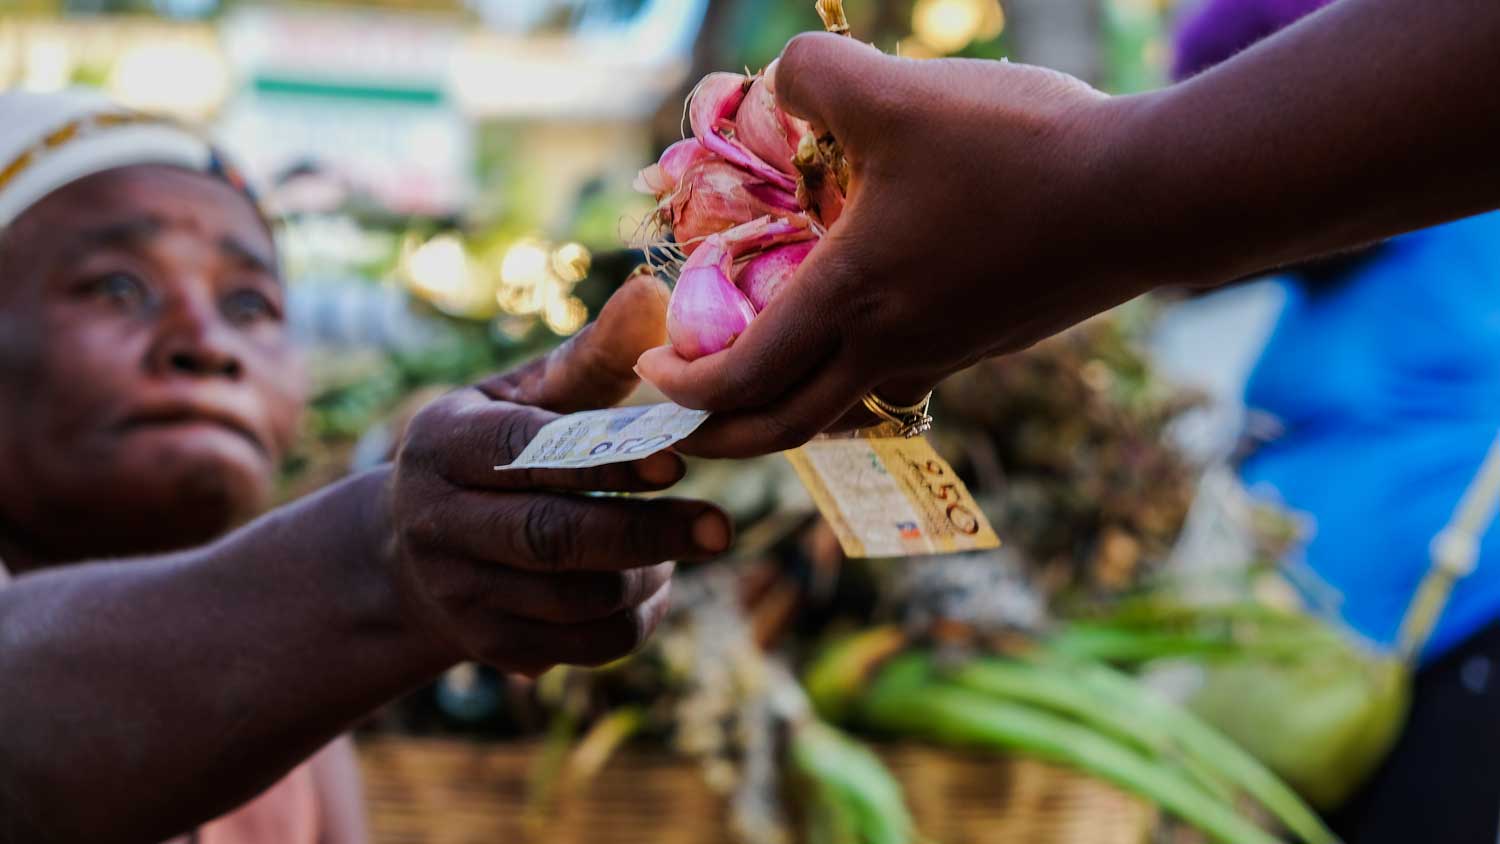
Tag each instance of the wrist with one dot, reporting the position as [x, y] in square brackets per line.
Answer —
[395, 602]
[353, 584]
[1174, 223]
[307, 589]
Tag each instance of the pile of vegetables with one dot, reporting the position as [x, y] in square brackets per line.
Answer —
[1071, 711]
[740, 205]
[1320, 710]
[975, 665]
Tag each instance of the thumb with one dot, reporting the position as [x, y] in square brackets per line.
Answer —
[827, 80]
[596, 367]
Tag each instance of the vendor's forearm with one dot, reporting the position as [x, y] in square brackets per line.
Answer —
[1371, 118]
[142, 699]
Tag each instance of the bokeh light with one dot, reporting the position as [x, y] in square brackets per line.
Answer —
[566, 315]
[48, 66]
[524, 264]
[571, 262]
[441, 272]
[187, 78]
[947, 26]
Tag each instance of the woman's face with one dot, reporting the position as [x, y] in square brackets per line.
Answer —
[148, 389]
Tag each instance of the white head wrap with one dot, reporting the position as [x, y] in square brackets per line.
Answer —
[50, 140]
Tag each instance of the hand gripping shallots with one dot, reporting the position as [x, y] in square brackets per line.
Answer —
[740, 205]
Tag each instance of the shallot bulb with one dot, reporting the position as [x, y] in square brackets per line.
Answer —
[765, 129]
[764, 274]
[767, 232]
[663, 177]
[714, 195]
[707, 312]
[711, 114]
[746, 159]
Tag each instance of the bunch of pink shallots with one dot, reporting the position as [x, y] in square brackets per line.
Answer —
[745, 199]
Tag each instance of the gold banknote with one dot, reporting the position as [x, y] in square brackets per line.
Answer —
[891, 497]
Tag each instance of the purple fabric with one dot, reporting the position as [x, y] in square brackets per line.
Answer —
[1221, 28]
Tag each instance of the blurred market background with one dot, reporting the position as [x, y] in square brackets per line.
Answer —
[452, 180]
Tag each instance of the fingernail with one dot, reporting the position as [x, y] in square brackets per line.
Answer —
[637, 370]
[659, 469]
[711, 532]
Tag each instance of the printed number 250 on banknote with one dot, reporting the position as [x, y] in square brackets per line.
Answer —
[891, 497]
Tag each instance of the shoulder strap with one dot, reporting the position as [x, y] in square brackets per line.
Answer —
[1454, 554]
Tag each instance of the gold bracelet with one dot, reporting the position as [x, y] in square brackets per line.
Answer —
[911, 420]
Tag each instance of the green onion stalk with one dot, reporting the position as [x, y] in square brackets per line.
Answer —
[850, 796]
[1316, 707]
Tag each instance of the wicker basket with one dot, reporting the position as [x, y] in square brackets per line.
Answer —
[448, 792]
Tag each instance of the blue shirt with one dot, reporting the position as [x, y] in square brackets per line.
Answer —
[1387, 381]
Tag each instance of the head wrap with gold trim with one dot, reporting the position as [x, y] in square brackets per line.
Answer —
[50, 140]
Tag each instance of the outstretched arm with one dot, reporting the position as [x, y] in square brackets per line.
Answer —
[994, 204]
[1368, 119]
[143, 697]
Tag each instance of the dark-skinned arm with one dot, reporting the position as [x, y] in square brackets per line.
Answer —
[1368, 119]
[144, 697]
[994, 204]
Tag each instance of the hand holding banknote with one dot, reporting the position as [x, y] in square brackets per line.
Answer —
[516, 569]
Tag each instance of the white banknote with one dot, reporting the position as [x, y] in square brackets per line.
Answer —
[600, 437]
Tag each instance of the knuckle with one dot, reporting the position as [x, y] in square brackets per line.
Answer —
[511, 436]
[506, 386]
[549, 534]
[423, 438]
[423, 528]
